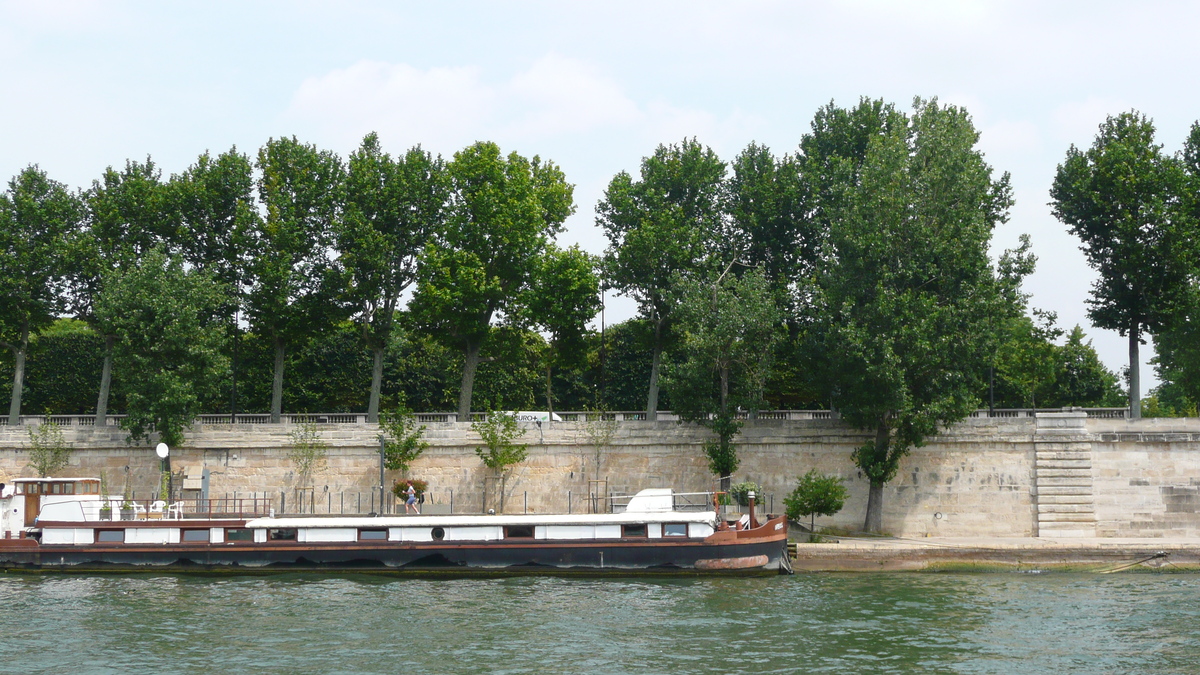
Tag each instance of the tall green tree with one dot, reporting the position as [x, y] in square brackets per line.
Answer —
[503, 213]
[728, 327]
[1027, 357]
[563, 296]
[38, 219]
[129, 213]
[1121, 197]
[905, 301]
[1178, 342]
[297, 289]
[393, 208]
[667, 223]
[168, 352]
[769, 206]
[219, 220]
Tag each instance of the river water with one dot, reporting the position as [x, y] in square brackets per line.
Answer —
[829, 623]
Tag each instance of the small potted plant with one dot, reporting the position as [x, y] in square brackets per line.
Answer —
[127, 511]
[105, 503]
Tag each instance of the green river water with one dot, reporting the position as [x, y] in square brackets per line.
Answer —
[828, 623]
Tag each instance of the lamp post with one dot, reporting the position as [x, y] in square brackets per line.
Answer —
[164, 464]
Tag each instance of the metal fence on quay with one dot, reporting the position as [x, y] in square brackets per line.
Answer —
[569, 416]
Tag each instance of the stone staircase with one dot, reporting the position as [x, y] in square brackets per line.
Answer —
[1063, 476]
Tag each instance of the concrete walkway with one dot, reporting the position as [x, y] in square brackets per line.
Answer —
[865, 554]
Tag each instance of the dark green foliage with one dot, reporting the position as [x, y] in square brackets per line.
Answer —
[62, 371]
[622, 365]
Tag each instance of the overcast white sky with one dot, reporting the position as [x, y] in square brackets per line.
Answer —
[592, 86]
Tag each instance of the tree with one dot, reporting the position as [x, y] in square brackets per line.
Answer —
[403, 442]
[503, 212]
[129, 213]
[728, 327]
[38, 217]
[662, 226]
[905, 303]
[498, 431]
[563, 296]
[393, 207]
[296, 286]
[49, 453]
[815, 495]
[1121, 198]
[308, 452]
[218, 221]
[168, 350]
[1028, 357]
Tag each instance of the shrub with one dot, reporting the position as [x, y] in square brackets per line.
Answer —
[400, 487]
[815, 495]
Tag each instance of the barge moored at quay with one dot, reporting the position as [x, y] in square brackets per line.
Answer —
[60, 524]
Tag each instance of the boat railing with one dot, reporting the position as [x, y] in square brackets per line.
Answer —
[226, 507]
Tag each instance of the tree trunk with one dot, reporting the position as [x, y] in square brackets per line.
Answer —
[277, 382]
[725, 390]
[1135, 383]
[376, 384]
[19, 349]
[105, 382]
[549, 394]
[874, 520]
[655, 362]
[470, 365]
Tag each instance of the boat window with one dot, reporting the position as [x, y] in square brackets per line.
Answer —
[372, 535]
[674, 529]
[110, 536]
[195, 535]
[30, 488]
[633, 530]
[438, 534]
[56, 488]
[239, 534]
[518, 532]
[282, 534]
[69, 489]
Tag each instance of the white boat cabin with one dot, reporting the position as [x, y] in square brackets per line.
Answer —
[72, 508]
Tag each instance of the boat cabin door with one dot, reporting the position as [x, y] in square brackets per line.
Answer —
[33, 503]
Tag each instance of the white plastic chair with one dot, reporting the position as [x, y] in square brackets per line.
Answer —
[158, 507]
[175, 511]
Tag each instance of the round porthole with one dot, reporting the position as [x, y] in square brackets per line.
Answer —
[438, 534]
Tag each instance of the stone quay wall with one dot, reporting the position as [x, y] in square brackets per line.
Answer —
[1059, 475]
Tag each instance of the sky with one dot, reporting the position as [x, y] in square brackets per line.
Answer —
[594, 87]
